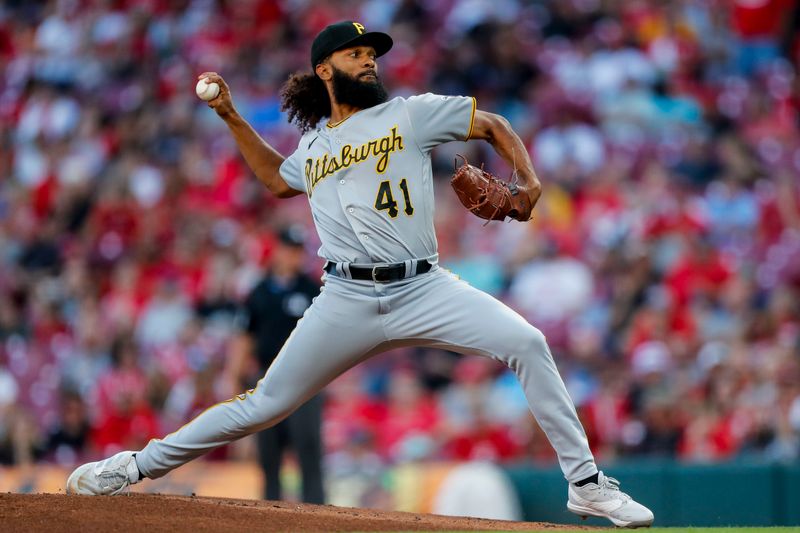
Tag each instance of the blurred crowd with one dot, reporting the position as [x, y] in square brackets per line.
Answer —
[663, 261]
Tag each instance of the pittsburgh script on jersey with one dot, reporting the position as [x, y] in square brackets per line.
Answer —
[320, 168]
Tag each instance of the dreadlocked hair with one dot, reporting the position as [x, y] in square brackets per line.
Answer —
[305, 98]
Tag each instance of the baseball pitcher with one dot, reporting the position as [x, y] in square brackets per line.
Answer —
[364, 164]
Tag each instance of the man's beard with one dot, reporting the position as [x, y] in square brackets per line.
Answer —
[357, 92]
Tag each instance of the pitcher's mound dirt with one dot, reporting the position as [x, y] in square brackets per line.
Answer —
[56, 513]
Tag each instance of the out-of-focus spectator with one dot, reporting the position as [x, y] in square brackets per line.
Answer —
[67, 442]
[407, 430]
[354, 473]
[758, 26]
[662, 427]
[567, 143]
[561, 284]
[123, 417]
[473, 431]
[164, 315]
[350, 411]
[12, 442]
[19, 438]
[19, 434]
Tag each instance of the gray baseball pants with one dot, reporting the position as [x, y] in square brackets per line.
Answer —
[351, 321]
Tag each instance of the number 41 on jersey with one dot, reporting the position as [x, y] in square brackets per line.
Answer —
[385, 199]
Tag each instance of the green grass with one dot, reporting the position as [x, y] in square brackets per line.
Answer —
[795, 529]
[725, 529]
[688, 530]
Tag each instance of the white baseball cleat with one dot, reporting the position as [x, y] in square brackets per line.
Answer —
[604, 499]
[104, 478]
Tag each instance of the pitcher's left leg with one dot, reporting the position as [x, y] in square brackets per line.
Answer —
[467, 320]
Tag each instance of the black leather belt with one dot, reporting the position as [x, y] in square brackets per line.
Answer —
[381, 273]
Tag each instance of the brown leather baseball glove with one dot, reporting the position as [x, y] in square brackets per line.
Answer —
[488, 197]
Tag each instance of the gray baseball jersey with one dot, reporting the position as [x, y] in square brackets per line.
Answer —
[369, 180]
[369, 183]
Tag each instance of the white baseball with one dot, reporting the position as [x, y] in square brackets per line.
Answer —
[206, 91]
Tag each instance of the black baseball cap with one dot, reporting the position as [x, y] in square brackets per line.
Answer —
[343, 35]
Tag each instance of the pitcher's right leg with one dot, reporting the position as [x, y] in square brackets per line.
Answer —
[335, 333]
[341, 328]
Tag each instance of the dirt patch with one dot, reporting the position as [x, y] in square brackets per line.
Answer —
[56, 513]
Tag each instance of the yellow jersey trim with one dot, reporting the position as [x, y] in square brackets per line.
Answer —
[336, 124]
[472, 119]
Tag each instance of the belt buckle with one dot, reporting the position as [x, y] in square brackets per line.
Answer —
[375, 270]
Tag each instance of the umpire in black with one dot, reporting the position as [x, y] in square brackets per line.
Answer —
[270, 313]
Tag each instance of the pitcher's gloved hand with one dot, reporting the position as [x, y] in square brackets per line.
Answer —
[489, 197]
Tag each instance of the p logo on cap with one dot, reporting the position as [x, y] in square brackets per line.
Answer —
[344, 35]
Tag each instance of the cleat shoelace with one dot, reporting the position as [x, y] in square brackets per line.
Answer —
[610, 484]
[112, 478]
